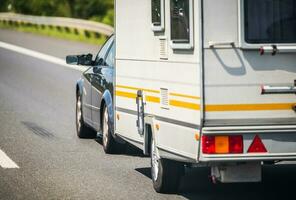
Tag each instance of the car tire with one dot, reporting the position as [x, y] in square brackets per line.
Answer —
[165, 174]
[109, 144]
[82, 130]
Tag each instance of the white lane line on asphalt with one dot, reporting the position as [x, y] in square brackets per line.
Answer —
[6, 162]
[39, 55]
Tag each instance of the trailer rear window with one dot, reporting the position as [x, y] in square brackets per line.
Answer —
[180, 21]
[270, 21]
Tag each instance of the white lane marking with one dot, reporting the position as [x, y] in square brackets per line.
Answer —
[6, 162]
[39, 55]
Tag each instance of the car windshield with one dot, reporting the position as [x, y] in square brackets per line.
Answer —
[270, 21]
[103, 51]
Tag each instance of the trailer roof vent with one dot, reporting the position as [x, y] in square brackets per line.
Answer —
[163, 51]
[164, 98]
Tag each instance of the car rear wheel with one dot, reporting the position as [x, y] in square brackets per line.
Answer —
[166, 174]
[82, 130]
[109, 144]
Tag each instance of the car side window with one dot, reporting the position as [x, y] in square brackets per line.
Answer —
[111, 56]
[104, 50]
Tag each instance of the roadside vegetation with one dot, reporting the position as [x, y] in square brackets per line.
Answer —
[56, 31]
[95, 10]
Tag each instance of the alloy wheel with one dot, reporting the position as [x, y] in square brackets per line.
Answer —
[154, 161]
[78, 113]
[105, 127]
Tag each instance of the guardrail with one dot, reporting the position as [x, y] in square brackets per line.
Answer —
[59, 22]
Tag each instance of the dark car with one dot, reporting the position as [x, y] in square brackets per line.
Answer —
[94, 95]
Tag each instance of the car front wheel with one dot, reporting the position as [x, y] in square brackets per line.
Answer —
[109, 144]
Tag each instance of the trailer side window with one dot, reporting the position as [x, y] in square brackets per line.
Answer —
[157, 15]
[181, 23]
[270, 21]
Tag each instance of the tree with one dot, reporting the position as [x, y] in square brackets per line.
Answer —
[3, 5]
[100, 10]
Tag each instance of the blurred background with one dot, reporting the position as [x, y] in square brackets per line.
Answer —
[96, 10]
[92, 11]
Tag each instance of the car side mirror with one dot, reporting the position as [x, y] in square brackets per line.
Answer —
[101, 61]
[80, 60]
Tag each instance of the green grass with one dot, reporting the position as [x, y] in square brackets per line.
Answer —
[56, 31]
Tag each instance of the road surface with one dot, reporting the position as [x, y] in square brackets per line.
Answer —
[45, 160]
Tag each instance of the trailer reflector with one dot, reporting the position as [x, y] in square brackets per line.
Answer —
[257, 146]
[196, 136]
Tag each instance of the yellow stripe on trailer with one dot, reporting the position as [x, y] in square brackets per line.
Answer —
[249, 107]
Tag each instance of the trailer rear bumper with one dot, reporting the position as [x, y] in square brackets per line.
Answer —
[279, 141]
[247, 158]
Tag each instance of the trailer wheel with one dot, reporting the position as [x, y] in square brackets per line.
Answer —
[166, 174]
[82, 130]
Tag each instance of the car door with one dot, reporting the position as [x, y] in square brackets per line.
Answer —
[102, 78]
[86, 95]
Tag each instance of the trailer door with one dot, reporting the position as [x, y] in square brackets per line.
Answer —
[249, 62]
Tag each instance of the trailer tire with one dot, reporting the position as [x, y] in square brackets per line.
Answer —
[165, 174]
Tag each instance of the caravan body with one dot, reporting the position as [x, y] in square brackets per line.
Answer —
[169, 79]
[208, 80]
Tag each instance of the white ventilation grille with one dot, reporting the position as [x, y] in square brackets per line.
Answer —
[163, 51]
[164, 98]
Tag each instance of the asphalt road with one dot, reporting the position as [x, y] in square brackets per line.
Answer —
[37, 131]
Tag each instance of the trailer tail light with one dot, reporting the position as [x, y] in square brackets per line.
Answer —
[222, 144]
[208, 144]
[236, 144]
[257, 146]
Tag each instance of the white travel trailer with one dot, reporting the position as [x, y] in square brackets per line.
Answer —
[207, 83]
